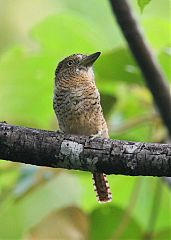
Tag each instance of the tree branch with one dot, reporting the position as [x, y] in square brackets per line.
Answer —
[52, 149]
[145, 59]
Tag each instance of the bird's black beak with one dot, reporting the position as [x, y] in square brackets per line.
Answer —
[90, 59]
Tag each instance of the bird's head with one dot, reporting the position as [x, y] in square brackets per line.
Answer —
[76, 68]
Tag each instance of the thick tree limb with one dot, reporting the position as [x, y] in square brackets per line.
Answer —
[145, 59]
[52, 149]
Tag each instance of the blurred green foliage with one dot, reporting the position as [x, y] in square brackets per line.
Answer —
[33, 199]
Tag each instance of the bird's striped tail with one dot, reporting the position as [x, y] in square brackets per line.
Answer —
[101, 188]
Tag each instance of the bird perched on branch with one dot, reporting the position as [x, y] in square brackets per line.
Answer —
[77, 106]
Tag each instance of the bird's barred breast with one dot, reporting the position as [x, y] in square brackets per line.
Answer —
[79, 111]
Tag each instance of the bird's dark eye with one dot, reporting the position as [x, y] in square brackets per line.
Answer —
[70, 62]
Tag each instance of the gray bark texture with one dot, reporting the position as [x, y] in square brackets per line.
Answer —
[57, 150]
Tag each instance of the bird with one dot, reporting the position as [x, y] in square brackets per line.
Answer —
[76, 103]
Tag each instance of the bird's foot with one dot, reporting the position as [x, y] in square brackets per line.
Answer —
[59, 131]
[4, 122]
[98, 134]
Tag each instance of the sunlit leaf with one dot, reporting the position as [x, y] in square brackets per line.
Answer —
[155, 27]
[143, 3]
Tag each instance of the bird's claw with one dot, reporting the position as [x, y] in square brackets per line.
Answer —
[93, 136]
[59, 131]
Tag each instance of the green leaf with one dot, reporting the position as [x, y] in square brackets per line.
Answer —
[26, 88]
[94, 12]
[143, 3]
[62, 191]
[104, 223]
[145, 203]
[163, 234]
[9, 175]
[165, 61]
[68, 33]
[131, 118]
[138, 133]
[116, 67]
[157, 31]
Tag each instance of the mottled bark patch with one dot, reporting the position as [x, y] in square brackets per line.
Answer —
[71, 151]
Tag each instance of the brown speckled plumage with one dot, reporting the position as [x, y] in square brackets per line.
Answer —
[77, 105]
